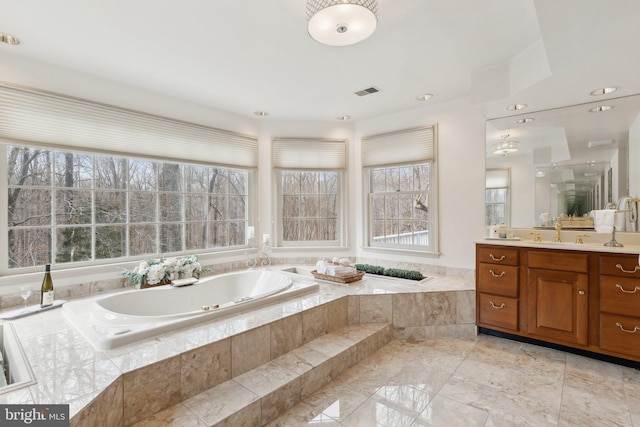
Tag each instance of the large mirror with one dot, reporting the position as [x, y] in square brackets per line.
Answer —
[566, 163]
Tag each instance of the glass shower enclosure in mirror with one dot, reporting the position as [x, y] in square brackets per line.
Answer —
[566, 163]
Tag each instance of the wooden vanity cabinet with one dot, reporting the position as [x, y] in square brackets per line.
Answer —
[589, 300]
[557, 287]
[620, 304]
[498, 287]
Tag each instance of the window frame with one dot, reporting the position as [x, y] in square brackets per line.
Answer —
[6, 270]
[419, 146]
[340, 211]
[432, 216]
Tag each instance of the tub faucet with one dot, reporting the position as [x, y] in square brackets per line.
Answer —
[558, 228]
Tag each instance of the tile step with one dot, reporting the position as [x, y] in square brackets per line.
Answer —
[260, 395]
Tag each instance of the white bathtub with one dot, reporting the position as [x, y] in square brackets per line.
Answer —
[122, 318]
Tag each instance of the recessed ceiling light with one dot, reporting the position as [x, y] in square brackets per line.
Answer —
[261, 113]
[515, 107]
[9, 39]
[345, 117]
[523, 121]
[424, 97]
[603, 91]
[601, 108]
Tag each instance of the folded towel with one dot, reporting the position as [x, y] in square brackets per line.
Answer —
[604, 220]
[321, 267]
[346, 271]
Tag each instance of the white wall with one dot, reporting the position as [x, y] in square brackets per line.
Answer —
[461, 141]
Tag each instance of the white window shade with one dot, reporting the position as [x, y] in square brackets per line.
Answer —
[309, 153]
[401, 147]
[40, 118]
[497, 178]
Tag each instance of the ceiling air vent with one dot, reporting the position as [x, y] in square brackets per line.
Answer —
[367, 91]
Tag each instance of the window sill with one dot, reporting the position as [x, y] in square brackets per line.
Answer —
[396, 251]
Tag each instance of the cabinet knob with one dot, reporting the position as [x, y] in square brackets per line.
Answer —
[580, 292]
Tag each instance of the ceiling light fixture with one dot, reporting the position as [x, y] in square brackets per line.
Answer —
[505, 147]
[603, 91]
[261, 113]
[601, 108]
[341, 22]
[9, 39]
[524, 121]
[345, 117]
[515, 107]
[424, 97]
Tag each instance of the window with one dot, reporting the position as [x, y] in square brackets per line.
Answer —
[309, 173]
[104, 194]
[400, 183]
[310, 206]
[398, 201]
[497, 197]
[67, 207]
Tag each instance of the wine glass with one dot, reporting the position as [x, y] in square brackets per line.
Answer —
[25, 293]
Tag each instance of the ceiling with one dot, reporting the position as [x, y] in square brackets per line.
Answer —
[243, 56]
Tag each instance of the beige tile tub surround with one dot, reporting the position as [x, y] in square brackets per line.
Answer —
[49, 337]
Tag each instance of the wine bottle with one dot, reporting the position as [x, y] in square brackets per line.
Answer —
[46, 290]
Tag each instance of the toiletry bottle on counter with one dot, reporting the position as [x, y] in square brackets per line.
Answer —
[46, 290]
[502, 231]
[493, 231]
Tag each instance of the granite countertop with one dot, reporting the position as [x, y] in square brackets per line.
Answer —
[571, 246]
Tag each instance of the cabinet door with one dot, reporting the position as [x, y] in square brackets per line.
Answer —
[558, 305]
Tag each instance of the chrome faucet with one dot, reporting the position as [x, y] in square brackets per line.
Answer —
[558, 227]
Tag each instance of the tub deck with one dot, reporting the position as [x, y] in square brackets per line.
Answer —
[70, 371]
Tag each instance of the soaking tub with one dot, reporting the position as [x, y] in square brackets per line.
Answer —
[122, 318]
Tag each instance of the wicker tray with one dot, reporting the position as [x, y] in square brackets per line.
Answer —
[338, 279]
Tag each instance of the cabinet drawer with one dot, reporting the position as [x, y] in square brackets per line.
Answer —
[556, 260]
[498, 279]
[498, 255]
[498, 311]
[620, 295]
[620, 334]
[620, 265]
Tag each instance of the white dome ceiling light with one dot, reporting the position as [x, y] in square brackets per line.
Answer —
[341, 22]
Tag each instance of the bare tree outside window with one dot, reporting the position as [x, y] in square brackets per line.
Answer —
[399, 205]
[69, 207]
[310, 205]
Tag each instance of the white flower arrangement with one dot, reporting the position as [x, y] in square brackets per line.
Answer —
[160, 271]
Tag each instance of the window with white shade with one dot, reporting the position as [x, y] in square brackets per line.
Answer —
[400, 181]
[88, 183]
[497, 197]
[310, 180]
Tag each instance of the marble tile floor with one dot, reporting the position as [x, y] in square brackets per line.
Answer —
[482, 381]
